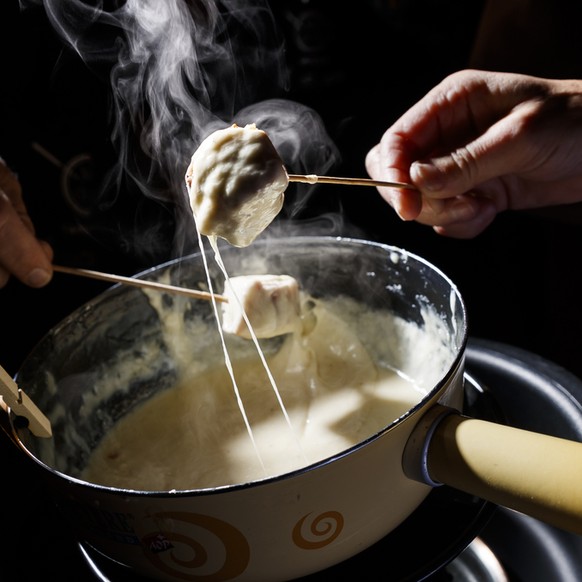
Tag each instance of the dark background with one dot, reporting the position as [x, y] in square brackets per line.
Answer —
[360, 68]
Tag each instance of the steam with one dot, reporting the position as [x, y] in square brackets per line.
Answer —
[180, 69]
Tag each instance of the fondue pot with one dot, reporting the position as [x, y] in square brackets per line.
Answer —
[114, 353]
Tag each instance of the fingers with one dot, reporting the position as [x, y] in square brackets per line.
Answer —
[505, 148]
[445, 196]
[472, 217]
[448, 116]
[21, 254]
[460, 216]
[461, 108]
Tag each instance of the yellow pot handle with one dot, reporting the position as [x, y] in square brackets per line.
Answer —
[533, 473]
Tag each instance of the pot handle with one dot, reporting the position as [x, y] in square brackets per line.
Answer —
[533, 473]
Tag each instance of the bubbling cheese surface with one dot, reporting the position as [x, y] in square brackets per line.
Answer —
[335, 391]
[236, 182]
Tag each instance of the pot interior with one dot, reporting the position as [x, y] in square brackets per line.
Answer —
[127, 344]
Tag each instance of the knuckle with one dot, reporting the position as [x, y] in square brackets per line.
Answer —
[465, 162]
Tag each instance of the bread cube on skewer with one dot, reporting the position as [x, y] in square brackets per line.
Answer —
[270, 302]
[236, 183]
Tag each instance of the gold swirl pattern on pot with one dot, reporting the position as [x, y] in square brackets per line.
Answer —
[315, 532]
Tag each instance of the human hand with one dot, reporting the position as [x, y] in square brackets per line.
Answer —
[480, 143]
[21, 253]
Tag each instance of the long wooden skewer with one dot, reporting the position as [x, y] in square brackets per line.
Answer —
[140, 283]
[314, 179]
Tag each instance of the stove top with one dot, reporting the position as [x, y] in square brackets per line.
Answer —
[455, 536]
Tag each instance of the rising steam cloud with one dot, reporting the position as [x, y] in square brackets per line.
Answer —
[181, 69]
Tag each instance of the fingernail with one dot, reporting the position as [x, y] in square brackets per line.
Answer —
[38, 278]
[429, 176]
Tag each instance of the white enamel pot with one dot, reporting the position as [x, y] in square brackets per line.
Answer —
[288, 526]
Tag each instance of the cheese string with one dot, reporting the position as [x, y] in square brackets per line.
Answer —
[220, 263]
[227, 360]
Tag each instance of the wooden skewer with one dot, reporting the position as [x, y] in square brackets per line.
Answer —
[141, 283]
[22, 405]
[13, 397]
[314, 179]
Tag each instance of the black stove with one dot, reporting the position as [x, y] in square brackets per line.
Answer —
[453, 536]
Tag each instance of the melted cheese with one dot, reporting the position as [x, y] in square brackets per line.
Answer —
[192, 436]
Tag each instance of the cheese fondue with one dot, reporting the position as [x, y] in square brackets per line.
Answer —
[336, 387]
[341, 373]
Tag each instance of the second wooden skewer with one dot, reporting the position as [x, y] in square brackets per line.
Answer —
[142, 283]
